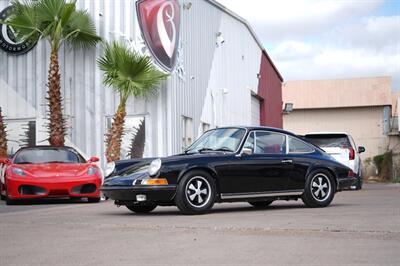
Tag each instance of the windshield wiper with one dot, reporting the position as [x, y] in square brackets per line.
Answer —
[224, 149]
[57, 162]
[205, 149]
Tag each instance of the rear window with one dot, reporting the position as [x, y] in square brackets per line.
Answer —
[329, 140]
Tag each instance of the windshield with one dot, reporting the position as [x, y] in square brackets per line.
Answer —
[46, 155]
[223, 139]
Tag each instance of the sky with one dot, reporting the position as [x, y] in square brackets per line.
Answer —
[326, 39]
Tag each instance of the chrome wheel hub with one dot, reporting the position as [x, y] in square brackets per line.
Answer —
[320, 187]
[198, 191]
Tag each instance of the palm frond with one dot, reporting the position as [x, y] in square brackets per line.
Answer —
[80, 30]
[128, 72]
[24, 19]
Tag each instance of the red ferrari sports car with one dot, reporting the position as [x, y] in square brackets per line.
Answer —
[47, 172]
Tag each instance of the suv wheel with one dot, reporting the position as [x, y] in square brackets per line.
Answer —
[196, 193]
[319, 189]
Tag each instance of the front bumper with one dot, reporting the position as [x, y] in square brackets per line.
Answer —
[18, 188]
[161, 193]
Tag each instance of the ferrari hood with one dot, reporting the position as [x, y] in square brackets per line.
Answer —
[54, 169]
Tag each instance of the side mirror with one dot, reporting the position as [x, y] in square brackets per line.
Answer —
[247, 151]
[5, 161]
[361, 149]
[93, 159]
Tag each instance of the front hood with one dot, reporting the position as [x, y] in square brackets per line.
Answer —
[53, 169]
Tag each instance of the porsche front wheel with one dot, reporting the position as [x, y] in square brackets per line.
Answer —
[196, 193]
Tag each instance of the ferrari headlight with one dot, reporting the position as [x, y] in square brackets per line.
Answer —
[110, 167]
[154, 167]
[18, 171]
[91, 170]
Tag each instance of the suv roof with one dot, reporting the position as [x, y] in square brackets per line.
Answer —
[327, 133]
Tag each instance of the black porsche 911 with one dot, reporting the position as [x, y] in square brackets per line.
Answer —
[254, 164]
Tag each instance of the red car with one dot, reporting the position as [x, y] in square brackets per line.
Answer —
[49, 172]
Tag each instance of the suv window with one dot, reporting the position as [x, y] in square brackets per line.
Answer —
[298, 146]
[329, 140]
[269, 143]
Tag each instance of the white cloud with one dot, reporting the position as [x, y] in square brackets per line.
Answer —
[314, 39]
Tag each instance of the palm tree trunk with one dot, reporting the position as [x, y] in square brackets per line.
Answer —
[56, 124]
[114, 136]
[3, 137]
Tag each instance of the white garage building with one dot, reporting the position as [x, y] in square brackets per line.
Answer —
[221, 76]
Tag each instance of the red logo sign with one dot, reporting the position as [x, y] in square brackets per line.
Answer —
[159, 21]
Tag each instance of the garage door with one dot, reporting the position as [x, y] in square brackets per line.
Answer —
[255, 111]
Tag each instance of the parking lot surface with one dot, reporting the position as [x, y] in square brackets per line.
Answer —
[359, 228]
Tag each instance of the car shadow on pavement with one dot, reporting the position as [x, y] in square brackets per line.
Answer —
[49, 202]
[224, 208]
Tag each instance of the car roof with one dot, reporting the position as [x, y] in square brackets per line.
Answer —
[274, 129]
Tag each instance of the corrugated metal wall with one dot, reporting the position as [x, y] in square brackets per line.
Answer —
[218, 80]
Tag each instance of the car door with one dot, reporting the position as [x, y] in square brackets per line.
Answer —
[264, 169]
[300, 159]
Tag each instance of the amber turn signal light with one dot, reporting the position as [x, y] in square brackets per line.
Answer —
[155, 181]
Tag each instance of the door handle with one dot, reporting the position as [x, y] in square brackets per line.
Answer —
[287, 161]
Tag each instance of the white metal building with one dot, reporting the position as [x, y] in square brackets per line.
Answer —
[222, 76]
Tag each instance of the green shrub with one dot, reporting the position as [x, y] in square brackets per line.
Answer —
[383, 163]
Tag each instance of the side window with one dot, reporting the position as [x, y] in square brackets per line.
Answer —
[270, 143]
[250, 142]
[297, 146]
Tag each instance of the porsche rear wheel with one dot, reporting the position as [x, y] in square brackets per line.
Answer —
[141, 208]
[319, 189]
[261, 204]
[196, 193]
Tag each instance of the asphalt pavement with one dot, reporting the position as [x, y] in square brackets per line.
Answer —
[359, 228]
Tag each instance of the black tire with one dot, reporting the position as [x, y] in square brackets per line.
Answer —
[93, 200]
[359, 181]
[261, 204]
[319, 190]
[2, 197]
[10, 202]
[196, 193]
[141, 208]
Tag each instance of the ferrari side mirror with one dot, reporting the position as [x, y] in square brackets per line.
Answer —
[93, 159]
[5, 161]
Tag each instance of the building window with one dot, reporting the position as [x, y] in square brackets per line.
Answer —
[20, 133]
[134, 138]
[187, 132]
[205, 127]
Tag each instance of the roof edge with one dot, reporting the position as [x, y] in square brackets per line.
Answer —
[247, 24]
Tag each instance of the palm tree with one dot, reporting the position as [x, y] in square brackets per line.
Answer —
[131, 75]
[3, 137]
[58, 22]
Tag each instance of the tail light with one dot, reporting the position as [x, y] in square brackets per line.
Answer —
[350, 173]
[352, 153]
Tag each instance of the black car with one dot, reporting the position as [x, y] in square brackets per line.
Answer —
[254, 164]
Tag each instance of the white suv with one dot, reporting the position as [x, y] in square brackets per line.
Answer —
[340, 146]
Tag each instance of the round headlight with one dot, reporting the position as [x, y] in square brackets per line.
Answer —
[154, 167]
[110, 167]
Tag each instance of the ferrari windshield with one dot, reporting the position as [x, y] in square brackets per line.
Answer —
[220, 139]
[46, 155]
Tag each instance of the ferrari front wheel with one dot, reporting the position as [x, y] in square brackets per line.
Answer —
[94, 200]
[196, 193]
